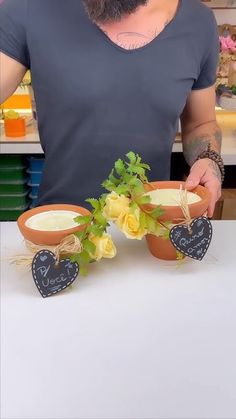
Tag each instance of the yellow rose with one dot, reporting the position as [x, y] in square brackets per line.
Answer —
[129, 224]
[115, 205]
[105, 247]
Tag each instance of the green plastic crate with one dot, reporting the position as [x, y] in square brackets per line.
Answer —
[13, 201]
[11, 161]
[11, 214]
[9, 188]
[9, 174]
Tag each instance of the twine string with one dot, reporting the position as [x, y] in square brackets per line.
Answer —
[69, 245]
[185, 208]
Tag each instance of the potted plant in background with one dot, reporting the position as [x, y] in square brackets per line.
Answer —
[226, 84]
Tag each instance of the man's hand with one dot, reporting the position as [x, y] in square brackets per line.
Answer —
[207, 173]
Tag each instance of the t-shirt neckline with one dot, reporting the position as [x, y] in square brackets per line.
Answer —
[162, 34]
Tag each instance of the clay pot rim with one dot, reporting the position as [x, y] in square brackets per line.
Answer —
[21, 221]
[204, 199]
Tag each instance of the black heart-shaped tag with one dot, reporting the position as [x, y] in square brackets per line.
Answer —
[193, 241]
[51, 277]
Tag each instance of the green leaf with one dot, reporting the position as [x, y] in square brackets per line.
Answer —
[86, 219]
[132, 157]
[100, 219]
[133, 206]
[142, 220]
[102, 199]
[109, 186]
[168, 225]
[127, 178]
[80, 234]
[84, 257]
[83, 270]
[75, 258]
[157, 212]
[94, 203]
[136, 169]
[166, 234]
[113, 179]
[151, 224]
[161, 231]
[96, 230]
[120, 167]
[89, 246]
[145, 166]
[137, 187]
[122, 189]
[135, 181]
[142, 200]
[137, 192]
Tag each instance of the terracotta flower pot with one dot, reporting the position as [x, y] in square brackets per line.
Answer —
[44, 237]
[162, 248]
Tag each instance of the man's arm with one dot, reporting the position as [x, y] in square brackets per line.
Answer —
[11, 74]
[200, 129]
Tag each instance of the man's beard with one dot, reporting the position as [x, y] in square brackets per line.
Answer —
[102, 11]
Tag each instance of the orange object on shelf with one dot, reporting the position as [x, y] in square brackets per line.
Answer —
[15, 127]
[17, 102]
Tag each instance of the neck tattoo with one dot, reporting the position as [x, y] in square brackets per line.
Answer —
[135, 40]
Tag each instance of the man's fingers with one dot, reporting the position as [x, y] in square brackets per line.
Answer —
[215, 195]
[200, 174]
[194, 178]
[211, 209]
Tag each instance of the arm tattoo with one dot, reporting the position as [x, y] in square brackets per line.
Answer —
[194, 146]
[215, 170]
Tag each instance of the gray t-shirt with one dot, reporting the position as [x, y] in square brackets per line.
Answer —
[97, 101]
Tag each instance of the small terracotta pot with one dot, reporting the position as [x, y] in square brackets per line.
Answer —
[163, 248]
[49, 238]
[15, 127]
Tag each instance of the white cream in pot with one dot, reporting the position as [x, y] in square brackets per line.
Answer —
[55, 220]
[171, 197]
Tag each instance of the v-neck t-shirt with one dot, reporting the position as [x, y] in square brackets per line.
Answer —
[97, 101]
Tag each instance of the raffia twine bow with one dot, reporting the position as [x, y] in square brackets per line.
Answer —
[187, 220]
[185, 209]
[68, 246]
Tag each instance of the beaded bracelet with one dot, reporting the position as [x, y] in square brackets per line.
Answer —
[213, 155]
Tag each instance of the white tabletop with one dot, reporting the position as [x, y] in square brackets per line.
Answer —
[138, 338]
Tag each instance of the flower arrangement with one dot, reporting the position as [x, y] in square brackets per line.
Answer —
[172, 231]
[123, 204]
[96, 243]
[226, 71]
[227, 44]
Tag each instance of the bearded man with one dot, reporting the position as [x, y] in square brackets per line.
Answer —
[110, 76]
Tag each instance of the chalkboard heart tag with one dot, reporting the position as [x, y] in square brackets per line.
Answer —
[193, 241]
[51, 277]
